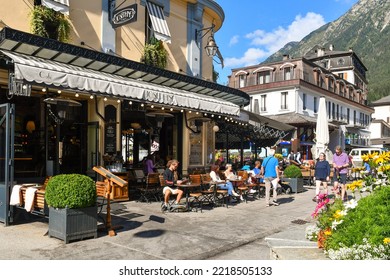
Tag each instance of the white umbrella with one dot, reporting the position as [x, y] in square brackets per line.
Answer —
[322, 129]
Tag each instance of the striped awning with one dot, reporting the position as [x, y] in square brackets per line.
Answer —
[61, 6]
[160, 26]
[47, 72]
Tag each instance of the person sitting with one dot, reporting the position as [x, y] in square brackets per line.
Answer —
[246, 167]
[171, 182]
[221, 184]
[229, 173]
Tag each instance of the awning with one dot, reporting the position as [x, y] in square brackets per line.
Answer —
[160, 26]
[61, 6]
[259, 120]
[53, 73]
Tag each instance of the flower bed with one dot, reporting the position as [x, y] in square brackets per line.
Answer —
[357, 229]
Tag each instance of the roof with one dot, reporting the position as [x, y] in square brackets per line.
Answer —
[33, 45]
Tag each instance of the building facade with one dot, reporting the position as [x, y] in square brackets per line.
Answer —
[92, 101]
[289, 91]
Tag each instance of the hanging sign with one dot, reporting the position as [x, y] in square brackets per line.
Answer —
[124, 16]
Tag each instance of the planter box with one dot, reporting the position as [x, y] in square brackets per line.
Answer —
[296, 184]
[73, 224]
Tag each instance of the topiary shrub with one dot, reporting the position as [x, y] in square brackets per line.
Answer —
[292, 171]
[70, 191]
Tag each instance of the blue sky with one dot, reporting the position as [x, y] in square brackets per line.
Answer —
[255, 29]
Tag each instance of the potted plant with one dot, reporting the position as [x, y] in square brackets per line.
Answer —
[71, 199]
[155, 54]
[293, 175]
[49, 23]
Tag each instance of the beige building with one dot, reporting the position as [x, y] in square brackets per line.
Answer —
[92, 98]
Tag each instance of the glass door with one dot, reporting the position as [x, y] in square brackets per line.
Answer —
[6, 158]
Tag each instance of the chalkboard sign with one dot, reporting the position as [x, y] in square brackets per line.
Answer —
[110, 130]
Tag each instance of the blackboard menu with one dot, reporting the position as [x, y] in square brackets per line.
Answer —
[110, 130]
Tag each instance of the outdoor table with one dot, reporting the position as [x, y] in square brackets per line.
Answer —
[186, 187]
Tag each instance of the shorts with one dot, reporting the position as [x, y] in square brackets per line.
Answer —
[342, 178]
[322, 180]
[173, 191]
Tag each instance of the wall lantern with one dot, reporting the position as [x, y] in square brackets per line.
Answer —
[211, 47]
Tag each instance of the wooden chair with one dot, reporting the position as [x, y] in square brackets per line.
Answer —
[196, 195]
[207, 190]
[162, 186]
[150, 190]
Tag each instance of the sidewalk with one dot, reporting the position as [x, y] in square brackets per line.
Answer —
[244, 231]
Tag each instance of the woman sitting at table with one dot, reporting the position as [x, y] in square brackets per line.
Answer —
[221, 184]
[229, 173]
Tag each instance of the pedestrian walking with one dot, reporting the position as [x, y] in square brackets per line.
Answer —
[340, 165]
[321, 175]
[270, 171]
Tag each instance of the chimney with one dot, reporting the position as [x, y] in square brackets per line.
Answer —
[286, 57]
[331, 47]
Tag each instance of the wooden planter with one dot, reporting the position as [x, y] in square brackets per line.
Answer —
[73, 224]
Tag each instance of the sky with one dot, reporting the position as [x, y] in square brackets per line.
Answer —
[255, 29]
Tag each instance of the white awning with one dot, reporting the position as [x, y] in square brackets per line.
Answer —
[61, 6]
[160, 26]
[48, 72]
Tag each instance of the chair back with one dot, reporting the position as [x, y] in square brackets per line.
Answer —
[152, 179]
[162, 181]
[195, 178]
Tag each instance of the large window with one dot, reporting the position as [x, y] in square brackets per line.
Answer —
[263, 103]
[263, 77]
[315, 105]
[304, 101]
[283, 102]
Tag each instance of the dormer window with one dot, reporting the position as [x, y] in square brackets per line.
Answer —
[288, 71]
[263, 74]
[241, 78]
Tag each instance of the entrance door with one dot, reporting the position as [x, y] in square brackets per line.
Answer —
[6, 158]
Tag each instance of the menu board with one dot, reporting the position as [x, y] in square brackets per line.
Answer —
[110, 130]
[195, 149]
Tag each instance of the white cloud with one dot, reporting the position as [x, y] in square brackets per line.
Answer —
[269, 42]
[299, 28]
[233, 40]
[251, 56]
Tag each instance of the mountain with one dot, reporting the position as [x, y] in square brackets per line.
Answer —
[365, 28]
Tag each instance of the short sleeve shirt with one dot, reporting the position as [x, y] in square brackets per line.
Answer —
[340, 160]
[269, 164]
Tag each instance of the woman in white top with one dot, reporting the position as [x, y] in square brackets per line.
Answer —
[221, 183]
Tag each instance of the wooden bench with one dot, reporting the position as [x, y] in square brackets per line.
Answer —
[39, 204]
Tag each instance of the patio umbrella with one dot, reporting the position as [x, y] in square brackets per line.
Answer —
[322, 129]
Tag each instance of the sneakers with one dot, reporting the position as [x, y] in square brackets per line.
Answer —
[241, 198]
[273, 202]
[164, 207]
[252, 191]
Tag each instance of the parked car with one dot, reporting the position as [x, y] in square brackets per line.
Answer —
[357, 153]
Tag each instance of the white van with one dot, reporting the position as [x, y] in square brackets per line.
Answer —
[357, 153]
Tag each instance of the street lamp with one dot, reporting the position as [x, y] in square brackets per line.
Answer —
[211, 47]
